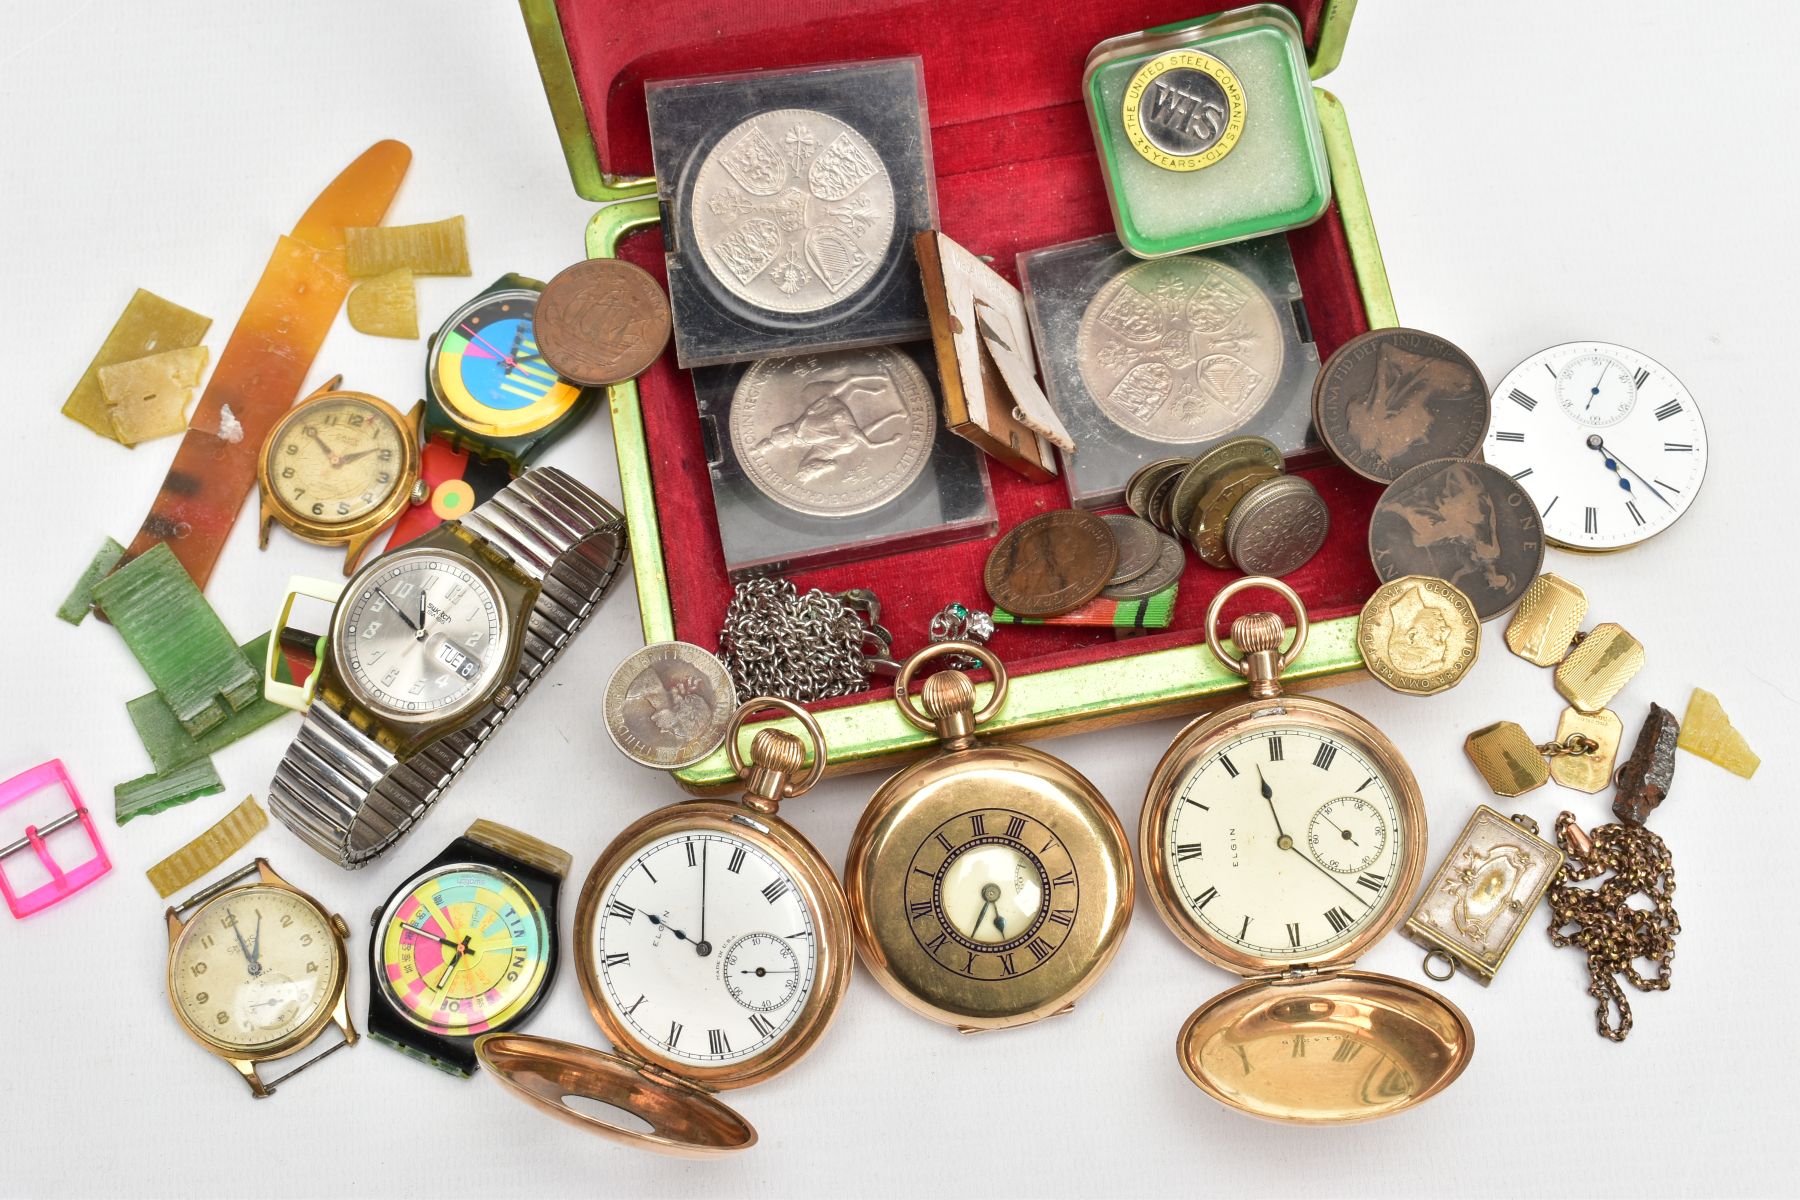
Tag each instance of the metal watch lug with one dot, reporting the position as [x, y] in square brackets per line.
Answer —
[247, 1069]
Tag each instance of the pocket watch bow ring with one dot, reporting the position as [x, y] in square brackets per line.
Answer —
[989, 886]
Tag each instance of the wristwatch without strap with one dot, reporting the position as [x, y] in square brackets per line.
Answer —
[430, 647]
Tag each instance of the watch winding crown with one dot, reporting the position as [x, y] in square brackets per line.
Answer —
[949, 698]
[1258, 637]
[775, 756]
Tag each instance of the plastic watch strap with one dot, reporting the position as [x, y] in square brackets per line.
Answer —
[229, 835]
[533, 852]
[350, 798]
[264, 364]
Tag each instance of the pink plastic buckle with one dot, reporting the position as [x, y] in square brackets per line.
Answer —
[63, 883]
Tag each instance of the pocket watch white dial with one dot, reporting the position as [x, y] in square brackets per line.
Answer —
[253, 967]
[1605, 440]
[1282, 841]
[420, 632]
[705, 947]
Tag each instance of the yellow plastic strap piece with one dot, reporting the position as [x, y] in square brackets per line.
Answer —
[147, 398]
[231, 834]
[289, 695]
[385, 306]
[148, 325]
[435, 248]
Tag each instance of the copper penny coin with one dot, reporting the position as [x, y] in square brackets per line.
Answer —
[1139, 544]
[601, 322]
[1197, 479]
[1463, 522]
[1390, 399]
[1206, 530]
[1171, 560]
[1051, 563]
[1277, 527]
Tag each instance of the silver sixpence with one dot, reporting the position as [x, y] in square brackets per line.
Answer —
[1139, 545]
[793, 211]
[669, 705]
[831, 435]
[1180, 350]
[1171, 560]
[1277, 527]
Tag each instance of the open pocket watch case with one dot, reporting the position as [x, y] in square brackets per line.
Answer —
[688, 1015]
[1305, 1038]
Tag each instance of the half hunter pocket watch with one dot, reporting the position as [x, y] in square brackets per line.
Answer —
[256, 972]
[713, 946]
[429, 648]
[989, 886]
[466, 946]
[1281, 838]
[338, 469]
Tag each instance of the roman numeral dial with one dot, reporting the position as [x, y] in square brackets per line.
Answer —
[1280, 841]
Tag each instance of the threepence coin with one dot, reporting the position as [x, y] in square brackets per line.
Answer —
[1419, 635]
[835, 434]
[1194, 482]
[669, 705]
[1051, 563]
[601, 322]
[1139, 545]
[1180, 350]
[1466, 523]
[1390, 399]
[793, 211]
[1277, 527]
[1206, 529]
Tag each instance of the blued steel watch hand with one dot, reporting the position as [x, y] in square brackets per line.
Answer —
[985, 905]
[1268, 793]
[656, 920]
[1325, 871]
[250, 962]
[1595, 390]
[1614, 462]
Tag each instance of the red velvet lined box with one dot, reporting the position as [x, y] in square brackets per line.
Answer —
[1016, 170]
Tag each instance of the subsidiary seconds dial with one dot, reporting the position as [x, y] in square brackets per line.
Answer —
[1606, 441]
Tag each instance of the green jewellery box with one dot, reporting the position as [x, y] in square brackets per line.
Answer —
[1014, 160]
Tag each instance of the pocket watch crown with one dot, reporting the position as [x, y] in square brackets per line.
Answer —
[777, 750]
[1258, 632]
[948, 692]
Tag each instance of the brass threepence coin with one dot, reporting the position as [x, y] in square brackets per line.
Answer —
[601, 322]
[1051, 563]
[1180, 350]
[1463, 522]
[1391, 399]
[1277, 527]
[793, 211]
[1194, 482]
[669, 705]
[1171, 560]
[834, 434]
[1139, 544]
[1419, 635]
[1206, 528]
[1145, 479]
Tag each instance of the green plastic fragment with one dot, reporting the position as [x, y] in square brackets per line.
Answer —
[75, 609]
[179, 641]
[171, 746]
[155, 792]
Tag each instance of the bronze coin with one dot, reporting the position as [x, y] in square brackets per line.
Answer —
[1206, 529]
[1197, 479]
[601, 322]
[1051, 563]
[1144, 479]
[1390, 399]
[1463, 522]
[1138, 542]
[1277, 527]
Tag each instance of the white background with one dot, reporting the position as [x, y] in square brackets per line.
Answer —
[1539, 172]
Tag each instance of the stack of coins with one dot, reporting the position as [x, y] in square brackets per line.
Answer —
[1056, 562]
[1235, 505]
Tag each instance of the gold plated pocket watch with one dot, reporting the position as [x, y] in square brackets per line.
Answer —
[713, 948]
[989, 886]
[338, 469]
[1281, 838]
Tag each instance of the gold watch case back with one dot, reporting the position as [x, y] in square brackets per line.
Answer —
[1305, 1039]
[338, 468]
[989, 886]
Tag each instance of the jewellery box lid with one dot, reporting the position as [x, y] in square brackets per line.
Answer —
[1325, 1049]
[547, 1074]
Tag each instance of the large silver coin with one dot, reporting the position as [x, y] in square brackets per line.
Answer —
[1180, 350]
[834, 434]
[793, 211]
[669, 705]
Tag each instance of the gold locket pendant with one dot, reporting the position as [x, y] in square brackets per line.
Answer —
[989, 886]
[1281, 838]
[712, 945]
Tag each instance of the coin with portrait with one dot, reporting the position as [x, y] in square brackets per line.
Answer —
[834, 434]
[1390, 399]
[669, 704]
[1464, 522]
[1051, 563]
[1419, 635]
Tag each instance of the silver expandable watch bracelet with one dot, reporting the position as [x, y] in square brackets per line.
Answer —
[347, 796]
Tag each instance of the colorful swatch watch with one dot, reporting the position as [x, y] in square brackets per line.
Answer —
[430, 648]
[491, 392]
[466, 946]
